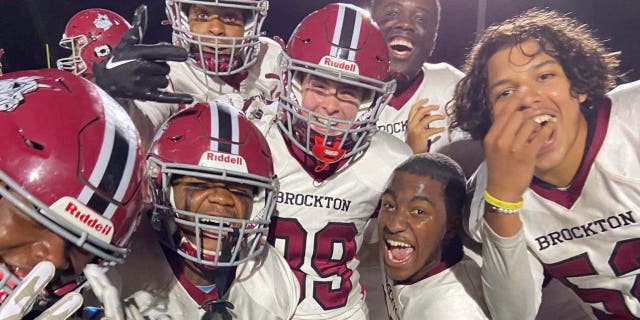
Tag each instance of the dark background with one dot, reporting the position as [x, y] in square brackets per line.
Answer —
[27, 25]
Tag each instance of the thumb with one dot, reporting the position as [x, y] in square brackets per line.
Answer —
[136, 32]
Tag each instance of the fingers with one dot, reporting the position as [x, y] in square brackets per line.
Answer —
[140, 19]
[112, 305]
[105, 291]
[63, 308]
[417, 106]
[169, 97]
[138, 27]
[155, 52]
[20, 301]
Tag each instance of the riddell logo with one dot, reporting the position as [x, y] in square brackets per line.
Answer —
[219, 160]
[337, 63]
[84, 218]
[228, 158]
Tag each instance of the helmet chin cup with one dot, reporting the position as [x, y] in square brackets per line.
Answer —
[327, 153]
[217, 63]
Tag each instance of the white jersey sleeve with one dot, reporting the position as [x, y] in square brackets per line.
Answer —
[438, 85]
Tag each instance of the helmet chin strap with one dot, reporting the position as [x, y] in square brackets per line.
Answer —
[326, 153]
[223, 61]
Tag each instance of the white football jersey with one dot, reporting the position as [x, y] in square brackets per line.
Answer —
[588, 236]
[451, 293]
[319, 225]
[438, 83]
[262, 80]
[264, 288]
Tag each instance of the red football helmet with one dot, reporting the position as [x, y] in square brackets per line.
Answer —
[214, 54]
[212, 141]
[339, 42]
[74, 155]
[90, 34]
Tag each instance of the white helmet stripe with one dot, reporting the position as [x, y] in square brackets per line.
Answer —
[224, 126]
[346, 33]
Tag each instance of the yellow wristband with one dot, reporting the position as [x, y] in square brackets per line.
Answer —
[510, 206]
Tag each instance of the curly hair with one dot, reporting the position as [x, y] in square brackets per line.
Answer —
[589, 66]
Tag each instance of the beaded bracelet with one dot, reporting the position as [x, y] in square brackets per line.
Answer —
[500, 206]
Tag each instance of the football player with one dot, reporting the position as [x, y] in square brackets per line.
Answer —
[91, 35]
[331, 160]
[224, 54]
[417, 110]
[70, 178]
[214, 191]
[427, 274]
[559, 190]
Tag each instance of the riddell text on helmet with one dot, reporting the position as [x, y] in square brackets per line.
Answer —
[83, 217]
[339, 64]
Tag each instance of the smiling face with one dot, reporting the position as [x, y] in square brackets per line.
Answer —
[525, 77]
[409, 27]
[215, 199]
[25, 242]
[330, 100]
[413, 224]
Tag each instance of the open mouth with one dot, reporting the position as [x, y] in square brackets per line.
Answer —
[398, 252]
[542, 120]
[400, 48]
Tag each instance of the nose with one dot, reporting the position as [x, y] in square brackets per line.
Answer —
[529, 97]
[331, 105]
[216, 26]
[52, 248]
[397, 221]
[403, 21]
[220, 196]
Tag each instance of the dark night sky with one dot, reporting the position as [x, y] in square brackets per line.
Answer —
[26, 25]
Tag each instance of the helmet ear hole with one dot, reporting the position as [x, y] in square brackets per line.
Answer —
[90, 34]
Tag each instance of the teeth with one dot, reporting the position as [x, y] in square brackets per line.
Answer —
[395, 243]
[325, 121]
[401, 42]
[207, 220]
[541, 119]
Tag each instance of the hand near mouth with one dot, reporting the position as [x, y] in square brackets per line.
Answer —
[419, 128]
[511, 148]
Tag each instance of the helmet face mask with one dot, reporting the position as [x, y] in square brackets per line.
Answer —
[350, 58]
[89, 196]
[221, 54]
[190, 149]
[90, 34]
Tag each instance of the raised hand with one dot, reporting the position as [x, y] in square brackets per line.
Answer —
[511, 148]
[20, 302]
[419, 129]
[139, 71]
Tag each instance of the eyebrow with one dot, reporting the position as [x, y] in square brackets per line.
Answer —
[422, 198]
[535, 67]
[415, 198]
